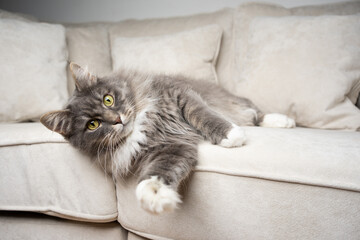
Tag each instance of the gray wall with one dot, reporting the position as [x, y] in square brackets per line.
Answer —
[114, 10]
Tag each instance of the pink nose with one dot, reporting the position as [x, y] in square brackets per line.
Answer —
[118, 120]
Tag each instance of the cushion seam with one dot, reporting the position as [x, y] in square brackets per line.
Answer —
[29, 143]
[65, 214]
[276, 179]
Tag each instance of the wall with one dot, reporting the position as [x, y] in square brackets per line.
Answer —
[114, 10]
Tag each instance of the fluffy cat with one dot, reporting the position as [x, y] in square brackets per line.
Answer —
[150, 126]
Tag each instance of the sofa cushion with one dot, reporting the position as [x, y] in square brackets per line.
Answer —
[32, 69]
[312, 78]
[40, 172]
[191, 53]
[165, 26]
[283, 184]
[88, 46]
[305, 67]
[35, 226]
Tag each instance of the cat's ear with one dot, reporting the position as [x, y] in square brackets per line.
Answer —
[83, 78]
[58, 121]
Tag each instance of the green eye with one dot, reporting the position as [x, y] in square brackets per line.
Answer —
[108, 100]
[93, 124]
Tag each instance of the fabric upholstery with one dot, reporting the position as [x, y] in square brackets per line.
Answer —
[166, 26]
[132, 236]
[32, 226]
[42, 173]
[284, 184]
[88, 46]
[304, 67]
[32, 69]
[284, 73]
[290, 183]
[191, 53]
[345, 8]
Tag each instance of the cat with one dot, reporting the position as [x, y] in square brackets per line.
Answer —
[150, 126]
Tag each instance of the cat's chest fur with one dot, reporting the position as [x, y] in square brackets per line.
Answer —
[122, 160]
[159, 123]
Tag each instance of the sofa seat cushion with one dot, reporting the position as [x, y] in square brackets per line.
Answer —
[302, 155]
[35, 226]
[40, 172]
[283, 184]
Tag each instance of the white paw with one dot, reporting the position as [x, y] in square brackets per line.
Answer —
[156, 197]
[235, 138]
[276, 120]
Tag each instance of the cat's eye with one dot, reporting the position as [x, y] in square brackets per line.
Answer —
[108, 100]
[93, 124]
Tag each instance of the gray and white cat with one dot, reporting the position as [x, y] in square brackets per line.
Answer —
[151, 125]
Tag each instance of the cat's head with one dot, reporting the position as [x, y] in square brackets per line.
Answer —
[100, 114]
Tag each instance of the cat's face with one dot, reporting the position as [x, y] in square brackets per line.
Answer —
[99, 116]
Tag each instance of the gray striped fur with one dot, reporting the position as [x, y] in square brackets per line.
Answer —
[165, 119]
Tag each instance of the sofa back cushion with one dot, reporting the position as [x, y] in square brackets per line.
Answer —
[191, 53]
[32, 69]
[166, 26]
[305, 67]
[88, 45]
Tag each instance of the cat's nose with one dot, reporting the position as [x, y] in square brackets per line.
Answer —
[118, 120]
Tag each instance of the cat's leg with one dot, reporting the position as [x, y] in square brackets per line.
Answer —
[245, 108]
[276, 120]
[244, 112]
[163, 169]
[211, 124]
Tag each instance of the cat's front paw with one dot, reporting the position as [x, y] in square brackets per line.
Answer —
[156, 197]
[235, 138]
[276, 120]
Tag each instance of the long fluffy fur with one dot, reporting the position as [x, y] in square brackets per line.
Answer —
[162, 120]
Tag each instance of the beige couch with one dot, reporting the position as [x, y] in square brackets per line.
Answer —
[301, 183]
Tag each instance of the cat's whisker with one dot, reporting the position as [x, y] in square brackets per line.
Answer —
[162, 119]
[100, 149]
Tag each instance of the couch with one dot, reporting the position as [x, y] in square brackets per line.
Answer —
[301, 183]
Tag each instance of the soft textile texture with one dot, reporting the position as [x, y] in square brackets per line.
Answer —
[192, 53]
[132, 236]
[292, 183]
[31, 226]
[88, 45]
[305, 67]
[249, 11]
[32, 69]
[166, 26]
[42, 173]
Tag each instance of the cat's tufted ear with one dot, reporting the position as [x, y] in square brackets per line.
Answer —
[83, 78]
[58, 121]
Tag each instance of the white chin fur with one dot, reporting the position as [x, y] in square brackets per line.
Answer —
[235, 138]
[276, 120]
[156, 197]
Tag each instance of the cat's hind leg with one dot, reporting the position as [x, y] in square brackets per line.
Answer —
[276, 120]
